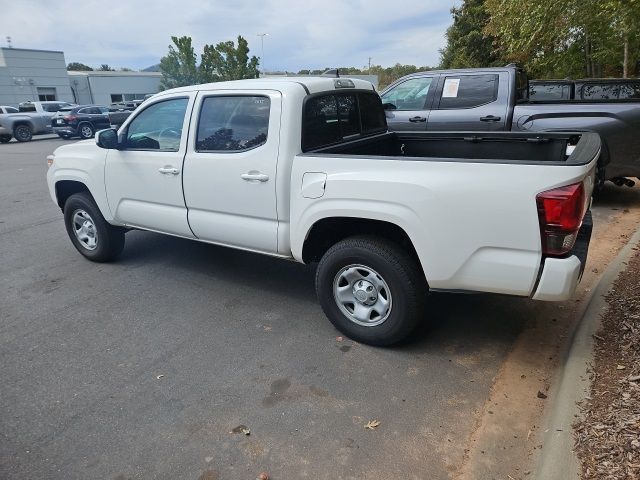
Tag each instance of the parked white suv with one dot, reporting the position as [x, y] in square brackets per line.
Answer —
[307, 170]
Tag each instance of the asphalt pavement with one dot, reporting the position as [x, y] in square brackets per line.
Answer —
[143, 368]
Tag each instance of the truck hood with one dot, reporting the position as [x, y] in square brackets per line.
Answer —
[81, 148]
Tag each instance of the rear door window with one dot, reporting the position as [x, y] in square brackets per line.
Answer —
[233, 123]
[468, 91]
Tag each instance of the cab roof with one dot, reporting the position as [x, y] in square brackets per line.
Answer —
[305, 85]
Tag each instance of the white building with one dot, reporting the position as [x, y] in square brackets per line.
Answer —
[108, 87]
[32, 75]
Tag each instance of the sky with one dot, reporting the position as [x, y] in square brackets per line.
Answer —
[303, 34]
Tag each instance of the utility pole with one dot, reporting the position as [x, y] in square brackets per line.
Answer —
[262, 35]
[369, 69]
[9, 42]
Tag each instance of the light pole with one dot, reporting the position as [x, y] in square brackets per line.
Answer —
[262, 35]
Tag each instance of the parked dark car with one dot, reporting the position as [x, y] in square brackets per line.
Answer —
[83, 121]
[494, 99]
[120, 111]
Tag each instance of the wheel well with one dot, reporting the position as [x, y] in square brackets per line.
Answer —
[17, 124]
[328, 231]
[66, 188]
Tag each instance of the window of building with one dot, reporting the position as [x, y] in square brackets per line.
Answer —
[467, 91]
[232, 124]
[46, 94]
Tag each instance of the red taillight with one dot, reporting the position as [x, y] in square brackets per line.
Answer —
[70, 118]
[560, 212]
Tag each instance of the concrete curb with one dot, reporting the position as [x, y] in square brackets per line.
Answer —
[557, 460]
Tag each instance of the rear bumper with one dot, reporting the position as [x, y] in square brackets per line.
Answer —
[65, 130]
[560, 276]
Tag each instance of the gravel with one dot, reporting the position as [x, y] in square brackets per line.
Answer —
[607, 435]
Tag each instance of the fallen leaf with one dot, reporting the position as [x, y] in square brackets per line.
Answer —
[620, 367]
[263, 476]
[158, 377]
[541, 395]
[242, 429]
[371, 424]
[339, 339]
[267, 328]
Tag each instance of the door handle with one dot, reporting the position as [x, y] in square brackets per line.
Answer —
[254, 176]
[418, 119]
[490, 118]
[169, 170]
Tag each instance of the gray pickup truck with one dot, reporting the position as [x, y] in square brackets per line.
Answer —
[496, 99]
[33, 118]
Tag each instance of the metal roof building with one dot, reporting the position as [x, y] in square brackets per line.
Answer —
[32, 75]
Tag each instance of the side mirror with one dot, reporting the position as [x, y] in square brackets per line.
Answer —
[389, 106]
[107, 139]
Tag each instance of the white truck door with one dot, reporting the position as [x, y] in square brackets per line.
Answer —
[143, 179]
[230, 168]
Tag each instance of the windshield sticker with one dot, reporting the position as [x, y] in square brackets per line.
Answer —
[450, 89]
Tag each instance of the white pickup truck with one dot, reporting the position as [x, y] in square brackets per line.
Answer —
[306, 170]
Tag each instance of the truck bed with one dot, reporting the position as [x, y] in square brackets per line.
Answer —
[479, 147]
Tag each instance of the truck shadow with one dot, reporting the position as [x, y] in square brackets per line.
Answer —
[458, 321]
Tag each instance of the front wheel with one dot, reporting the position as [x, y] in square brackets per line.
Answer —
[23, 133]
[89, 232]
[371, 290]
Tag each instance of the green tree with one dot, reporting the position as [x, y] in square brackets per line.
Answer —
[80, 67]
[105, 68]
[576, 38]
[225, 61]
[468, 44]
[178, 67]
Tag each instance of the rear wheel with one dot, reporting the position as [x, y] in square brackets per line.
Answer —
[86, 130]
[371, 289]
[23, 133]
[5, 138]
[89, 232]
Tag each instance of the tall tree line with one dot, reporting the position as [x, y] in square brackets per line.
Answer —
[551, 38]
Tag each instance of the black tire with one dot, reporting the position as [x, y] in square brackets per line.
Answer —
[109, 239]
[402, 274]
[5, 138]
[23, 133]
[86, 131]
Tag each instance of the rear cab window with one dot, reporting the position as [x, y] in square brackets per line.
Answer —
[468, 91]
[331, 118]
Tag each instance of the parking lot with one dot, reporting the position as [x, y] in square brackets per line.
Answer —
[144, 368]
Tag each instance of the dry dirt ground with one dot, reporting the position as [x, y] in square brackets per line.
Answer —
[608, 433]
[507, 437]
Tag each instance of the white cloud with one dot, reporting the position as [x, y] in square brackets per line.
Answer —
[311, 34]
